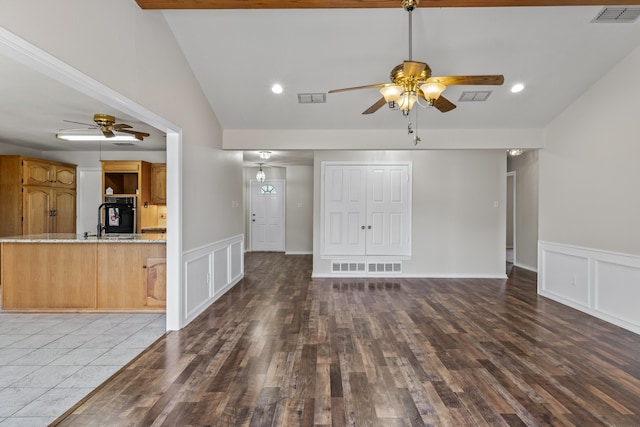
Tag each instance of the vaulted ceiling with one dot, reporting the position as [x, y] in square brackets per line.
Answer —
[350, 4]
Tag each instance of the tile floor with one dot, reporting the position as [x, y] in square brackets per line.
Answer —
[48, 362]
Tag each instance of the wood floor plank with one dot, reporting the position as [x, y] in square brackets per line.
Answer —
[281, 349]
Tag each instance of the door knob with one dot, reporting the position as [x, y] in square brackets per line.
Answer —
[362, 227]
[369, 227]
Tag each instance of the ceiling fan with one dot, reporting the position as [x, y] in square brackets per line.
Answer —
[107, 125]
[412, 81]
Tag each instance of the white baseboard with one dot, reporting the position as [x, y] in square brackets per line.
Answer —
[408, 276]
[601, 283]
[298, 253]
[526, 267]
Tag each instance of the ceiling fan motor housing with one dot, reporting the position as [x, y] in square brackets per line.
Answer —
[409, 5]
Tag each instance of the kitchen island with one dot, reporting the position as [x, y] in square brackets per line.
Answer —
[62, 272]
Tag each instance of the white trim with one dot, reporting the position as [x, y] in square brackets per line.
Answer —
[410, 276]
[601, 283]
[41, 61]
[227, 248]
[298, 253]
[283, 209]
[526, 267]
[513, 214]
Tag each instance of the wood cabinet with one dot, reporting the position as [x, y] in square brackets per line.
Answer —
[159, 183]
[36, 196]
[45, 275]
[83, 276]
[131, 275]
[129, 178]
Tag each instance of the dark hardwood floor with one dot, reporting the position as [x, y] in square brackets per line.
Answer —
[280, 349]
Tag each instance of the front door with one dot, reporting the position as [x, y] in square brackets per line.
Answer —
[267, 215]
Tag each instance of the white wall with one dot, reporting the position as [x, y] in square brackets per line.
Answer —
[151, 70]
[205, 185]
[527, 177]
[299, 227]
[458, 231]
[589, 206]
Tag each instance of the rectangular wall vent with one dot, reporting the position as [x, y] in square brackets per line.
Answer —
[385, 267]
[362, 267]
[347, 267]
[617, 15]
[312, 98]
[474, 96]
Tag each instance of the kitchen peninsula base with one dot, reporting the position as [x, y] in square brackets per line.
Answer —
[66, 273]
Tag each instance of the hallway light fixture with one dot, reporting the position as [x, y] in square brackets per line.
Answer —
[266, 155]
[515, 152]
[260, 176]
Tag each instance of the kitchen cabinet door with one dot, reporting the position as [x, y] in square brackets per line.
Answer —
[37, 173]
[156, 279]
[36, 210]
[159, 184]
[65, 176]
[64, 211]
[123, 272]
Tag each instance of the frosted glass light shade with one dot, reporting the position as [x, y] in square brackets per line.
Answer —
[407, 100]
[261, 176]
[432, 91]
[392, 93]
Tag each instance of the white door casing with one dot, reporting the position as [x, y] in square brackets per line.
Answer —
[366, 209]
[267, 216]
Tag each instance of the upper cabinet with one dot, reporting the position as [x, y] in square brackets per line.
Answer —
[159, 183]
[36, 196]
[46, 173]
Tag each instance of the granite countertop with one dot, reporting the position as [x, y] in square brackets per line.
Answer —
[81, 238]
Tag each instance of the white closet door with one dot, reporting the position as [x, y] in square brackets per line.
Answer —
[344, 210]
[388, 210]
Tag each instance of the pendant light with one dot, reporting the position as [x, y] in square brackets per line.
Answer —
[260, 176]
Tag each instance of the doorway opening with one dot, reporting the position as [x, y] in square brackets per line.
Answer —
[510, 244]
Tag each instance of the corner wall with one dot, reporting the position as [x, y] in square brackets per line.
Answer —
[589, 253]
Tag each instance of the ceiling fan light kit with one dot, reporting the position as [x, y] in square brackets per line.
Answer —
[411, 81]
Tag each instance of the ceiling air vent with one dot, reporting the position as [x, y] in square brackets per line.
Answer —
[312, 98]
[617, 15]
[474, 96]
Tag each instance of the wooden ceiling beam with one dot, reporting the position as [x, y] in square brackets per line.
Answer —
[348, 4]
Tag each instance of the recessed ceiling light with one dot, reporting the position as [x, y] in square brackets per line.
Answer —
[518, 87]
[276, 88]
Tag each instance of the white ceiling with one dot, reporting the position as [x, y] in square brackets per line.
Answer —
[238, 54]
[34, 107]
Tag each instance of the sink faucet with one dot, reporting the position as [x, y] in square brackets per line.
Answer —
[100, 226]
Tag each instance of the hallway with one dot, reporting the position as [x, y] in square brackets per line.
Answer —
[281, 349]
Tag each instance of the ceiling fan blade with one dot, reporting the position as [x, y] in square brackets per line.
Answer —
[412, 68]
[119, 126]
[359, 87]
[443, 104]
[375, 107]
[468, 80]
[139, 135]
[80, 123]
[107, 133]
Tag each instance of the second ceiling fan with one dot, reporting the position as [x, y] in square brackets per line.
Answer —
[412, 81]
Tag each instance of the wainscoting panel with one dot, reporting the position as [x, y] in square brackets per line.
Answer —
[210, 271]
[603, 284]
